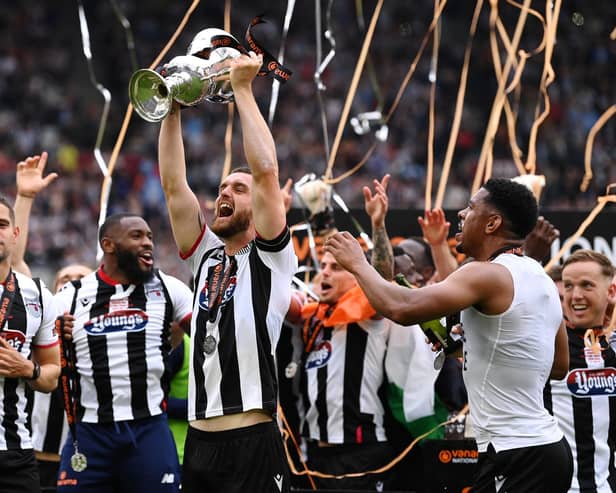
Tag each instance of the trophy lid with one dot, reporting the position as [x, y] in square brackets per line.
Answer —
[211, 39]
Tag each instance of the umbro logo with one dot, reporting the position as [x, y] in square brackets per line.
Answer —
[278, 479]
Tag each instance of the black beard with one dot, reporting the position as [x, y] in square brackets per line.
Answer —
[239, 224]
[128, 263]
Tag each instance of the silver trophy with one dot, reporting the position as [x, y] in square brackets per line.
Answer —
[188, 79]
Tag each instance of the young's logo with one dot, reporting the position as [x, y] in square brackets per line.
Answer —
[586, 382]
[319, 356]
[130, 320]
[15, 338]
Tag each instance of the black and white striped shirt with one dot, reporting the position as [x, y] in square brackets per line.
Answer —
[340, 383]
[28, 324]
[239, 374]
[49, 425]
[121, 343]
[588, 422]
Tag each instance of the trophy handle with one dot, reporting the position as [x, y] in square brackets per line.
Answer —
[150, 95]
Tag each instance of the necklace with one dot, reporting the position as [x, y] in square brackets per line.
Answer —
[515, 249]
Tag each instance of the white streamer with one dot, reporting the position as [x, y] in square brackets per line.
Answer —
[283, 42]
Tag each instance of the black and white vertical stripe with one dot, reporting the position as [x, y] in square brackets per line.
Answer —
[240, 374]
[589, 423]
[28, 324]
[121, 343]
[49, 425]
[340, 384]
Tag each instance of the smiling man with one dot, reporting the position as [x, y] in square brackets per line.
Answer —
[511, 316]
[587, 417]
[123, 313]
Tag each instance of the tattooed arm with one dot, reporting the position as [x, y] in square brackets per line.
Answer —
[376, 206]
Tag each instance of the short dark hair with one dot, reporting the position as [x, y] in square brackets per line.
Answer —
[241, 169]
[111, 221]
[427, 251]
[584, 255]
[398, 252]
[515, 202]
[4, 200]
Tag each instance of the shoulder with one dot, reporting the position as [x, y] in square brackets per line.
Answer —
[172, 283]
[480, 272]
[28, 287]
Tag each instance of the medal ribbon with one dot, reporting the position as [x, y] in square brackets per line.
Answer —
[271, 67]
[6, 301]
[68, 379]
[218, 286]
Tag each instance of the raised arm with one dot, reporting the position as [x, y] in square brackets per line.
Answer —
[538, 242]
[376, 206]
[560, 367]
[435, 229]
[185, 214]
[268, 209]
[29, 181]
[487, 286]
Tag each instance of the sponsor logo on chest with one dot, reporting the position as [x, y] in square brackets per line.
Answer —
[319, 356]
[587, 382]
[130, 320]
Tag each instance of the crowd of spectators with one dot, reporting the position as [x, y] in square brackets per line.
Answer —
[48, 102]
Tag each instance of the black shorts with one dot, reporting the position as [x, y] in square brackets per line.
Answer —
[351, 458]
[48, 472]
[19, 472]
[544, 468]
[250, 459]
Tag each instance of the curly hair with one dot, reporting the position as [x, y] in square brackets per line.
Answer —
[112, 221]
[515, 202]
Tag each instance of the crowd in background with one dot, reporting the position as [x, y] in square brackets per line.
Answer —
[48, 102]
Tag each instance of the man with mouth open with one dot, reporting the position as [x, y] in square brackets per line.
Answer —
[514, 336]
[242, 263]
[122, 315]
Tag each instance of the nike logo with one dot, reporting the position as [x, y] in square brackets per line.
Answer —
[278, 479]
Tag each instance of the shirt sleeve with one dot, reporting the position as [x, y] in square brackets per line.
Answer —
[46, 334]
[181, 298]
[206, 241]
[278, 254]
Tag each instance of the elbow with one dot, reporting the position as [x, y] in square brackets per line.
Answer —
[395, 313]
[53, 385]
[559, 370]
[558, 373]
[264, 169]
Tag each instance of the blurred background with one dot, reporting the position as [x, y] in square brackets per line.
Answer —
[48, 102]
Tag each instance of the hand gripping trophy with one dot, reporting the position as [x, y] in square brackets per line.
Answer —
[188, 79]
[203, 73]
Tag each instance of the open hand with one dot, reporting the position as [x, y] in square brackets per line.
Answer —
[29, 176]
[377, 203]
